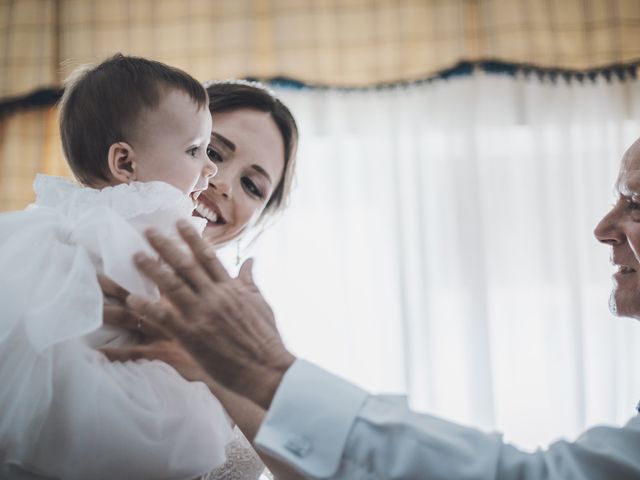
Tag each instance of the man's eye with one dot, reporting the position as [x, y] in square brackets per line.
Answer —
[632, 202]
[214, 155]
[251, 187]
[632, 205]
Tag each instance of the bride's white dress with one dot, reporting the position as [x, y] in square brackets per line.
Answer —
[67, 412]
[242, 463]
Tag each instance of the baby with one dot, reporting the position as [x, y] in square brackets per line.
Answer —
[135, 133]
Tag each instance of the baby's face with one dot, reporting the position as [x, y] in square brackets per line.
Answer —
[172, 143]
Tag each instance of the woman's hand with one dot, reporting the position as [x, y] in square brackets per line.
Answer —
[154, 342]
[223, 323]
[158, 326]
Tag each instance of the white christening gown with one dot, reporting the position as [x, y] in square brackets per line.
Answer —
[65, 410]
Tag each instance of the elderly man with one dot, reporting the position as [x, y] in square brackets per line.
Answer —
[327, 428]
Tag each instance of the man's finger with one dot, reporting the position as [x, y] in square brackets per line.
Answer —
[111, 289]
[246, 271]
[203, 252]
[183, 263]
[175, 288]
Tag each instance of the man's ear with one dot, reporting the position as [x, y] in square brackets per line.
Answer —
[121, 162]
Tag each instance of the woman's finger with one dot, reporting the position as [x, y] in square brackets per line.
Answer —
[158, 317]
[127, 319]
[174, 287]
[119, 316]
[183, 263]
[123, 354]
[203, 252]
[111, 289]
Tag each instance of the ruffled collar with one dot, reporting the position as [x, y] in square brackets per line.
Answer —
[128, 200]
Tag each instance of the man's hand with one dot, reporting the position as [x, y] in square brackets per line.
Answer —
[223, 323]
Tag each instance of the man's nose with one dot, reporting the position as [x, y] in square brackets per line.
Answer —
[608, 229]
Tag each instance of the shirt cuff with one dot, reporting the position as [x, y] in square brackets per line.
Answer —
[310, 418]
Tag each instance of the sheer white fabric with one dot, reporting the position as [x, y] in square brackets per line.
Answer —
[439, 243]
[67, 412]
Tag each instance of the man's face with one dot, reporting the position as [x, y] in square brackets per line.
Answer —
[620, 228]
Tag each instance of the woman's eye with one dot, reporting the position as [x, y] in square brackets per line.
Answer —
[251, 187]
[214, 155]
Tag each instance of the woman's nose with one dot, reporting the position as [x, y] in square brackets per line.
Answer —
[608, 229]
[221, 187]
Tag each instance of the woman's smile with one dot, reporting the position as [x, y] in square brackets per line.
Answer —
[209, 210]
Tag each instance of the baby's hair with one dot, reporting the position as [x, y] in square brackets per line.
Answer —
[102, 105]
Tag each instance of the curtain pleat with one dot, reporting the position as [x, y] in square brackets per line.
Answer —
[29, 144]
[439, 243]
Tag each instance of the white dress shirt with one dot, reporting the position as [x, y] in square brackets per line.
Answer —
[328, 428]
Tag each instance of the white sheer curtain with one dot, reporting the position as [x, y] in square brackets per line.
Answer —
[439, 244]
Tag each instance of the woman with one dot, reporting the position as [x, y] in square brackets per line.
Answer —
[253, 144]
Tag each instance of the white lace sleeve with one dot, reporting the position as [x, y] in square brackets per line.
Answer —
[243, 463]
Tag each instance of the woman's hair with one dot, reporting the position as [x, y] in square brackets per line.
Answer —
[229, 95]
[102, 105]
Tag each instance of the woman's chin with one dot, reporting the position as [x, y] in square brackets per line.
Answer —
[213, 234]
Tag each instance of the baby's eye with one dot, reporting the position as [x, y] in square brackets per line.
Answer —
[193, 151]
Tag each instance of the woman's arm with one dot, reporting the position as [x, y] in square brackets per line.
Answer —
[155, 344]
[249, 416]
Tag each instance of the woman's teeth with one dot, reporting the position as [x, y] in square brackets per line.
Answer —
[207, 213]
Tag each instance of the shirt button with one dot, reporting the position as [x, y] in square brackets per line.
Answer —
[299, 446]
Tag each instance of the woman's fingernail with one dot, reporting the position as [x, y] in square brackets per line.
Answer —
[139, 257]
[152, 232]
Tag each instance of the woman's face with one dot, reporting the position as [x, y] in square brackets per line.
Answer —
[248, 150]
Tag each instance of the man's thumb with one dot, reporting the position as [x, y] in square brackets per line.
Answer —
[246, 271]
